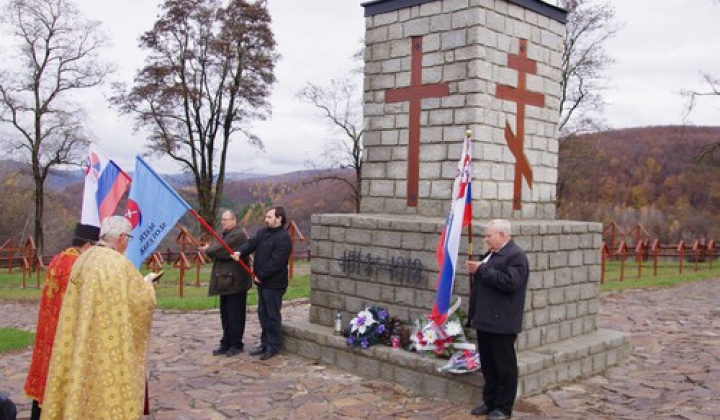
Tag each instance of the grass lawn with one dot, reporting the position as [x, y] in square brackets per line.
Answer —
[13, 339]
[167, 291]
[668, 274]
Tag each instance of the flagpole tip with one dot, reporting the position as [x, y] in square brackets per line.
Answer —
[468, 133]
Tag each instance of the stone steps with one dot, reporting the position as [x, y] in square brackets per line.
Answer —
[540, 368]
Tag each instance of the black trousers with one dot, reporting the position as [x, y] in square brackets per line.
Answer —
[498, 363]
[35, 411]
[232, 316]
[269, 306]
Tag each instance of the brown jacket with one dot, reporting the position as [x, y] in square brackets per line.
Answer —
[228, 276]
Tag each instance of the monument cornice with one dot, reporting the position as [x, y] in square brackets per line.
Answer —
[382, 6]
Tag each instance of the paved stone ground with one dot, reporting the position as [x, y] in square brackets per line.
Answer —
[673, 372]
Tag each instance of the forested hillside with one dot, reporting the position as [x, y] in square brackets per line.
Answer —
[646, 176]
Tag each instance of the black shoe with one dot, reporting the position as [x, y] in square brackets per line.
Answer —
[220, 351]
[480, 410]
[257, 351]
[234, 351]
[268, 354]
[497, 415]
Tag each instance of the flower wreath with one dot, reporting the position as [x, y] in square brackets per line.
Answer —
[440, 340]
[370, 326]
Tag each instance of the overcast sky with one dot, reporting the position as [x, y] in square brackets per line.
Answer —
[661, 49]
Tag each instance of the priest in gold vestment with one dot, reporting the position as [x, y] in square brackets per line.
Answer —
[97, 368]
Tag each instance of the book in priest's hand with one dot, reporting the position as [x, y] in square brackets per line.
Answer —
[154, 277]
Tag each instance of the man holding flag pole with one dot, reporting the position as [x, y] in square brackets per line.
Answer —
[496, 310]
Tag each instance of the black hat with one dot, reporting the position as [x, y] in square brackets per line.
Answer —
[85, 234]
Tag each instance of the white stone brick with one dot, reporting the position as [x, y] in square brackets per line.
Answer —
[382, 188]
[395, 32]
[453, 39]
[455, 71]
[384, 18]
[376, 35]
[417, 27]
[440, 23]
[433, 152]
[431, 8]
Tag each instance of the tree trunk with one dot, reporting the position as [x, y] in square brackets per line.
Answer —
[39, 200]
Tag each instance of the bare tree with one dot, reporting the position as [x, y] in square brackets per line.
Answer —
[340, 104]
[589, 26]
[705, 154]
[208, 73]
[58, 55]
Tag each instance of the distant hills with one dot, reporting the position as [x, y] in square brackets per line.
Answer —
[644, 176]
[60, 179]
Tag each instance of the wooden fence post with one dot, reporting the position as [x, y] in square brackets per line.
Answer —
[681, 253]
[640, 251]
[622, 252]
[603, 254]
[182, 264]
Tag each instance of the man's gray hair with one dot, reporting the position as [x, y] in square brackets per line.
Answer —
[501, 226]
[224, 210]
[113, 227]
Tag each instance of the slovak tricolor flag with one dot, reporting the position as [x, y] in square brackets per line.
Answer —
[460, 215]
[153, 208]
[105, 185]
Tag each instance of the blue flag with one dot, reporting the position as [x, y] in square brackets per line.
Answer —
[153, 208]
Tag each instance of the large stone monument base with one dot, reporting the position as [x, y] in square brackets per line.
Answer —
[389, 260]
[540, 368]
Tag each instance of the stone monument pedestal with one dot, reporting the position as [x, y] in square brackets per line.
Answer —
[434, 70]
[389, 260]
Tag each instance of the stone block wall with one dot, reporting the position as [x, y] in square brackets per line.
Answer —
[466, 43]
[389, 260]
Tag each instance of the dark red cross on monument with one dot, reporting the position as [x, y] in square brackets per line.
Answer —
[414, 94]
[522, 97]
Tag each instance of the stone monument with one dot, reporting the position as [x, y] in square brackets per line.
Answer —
[434, 69]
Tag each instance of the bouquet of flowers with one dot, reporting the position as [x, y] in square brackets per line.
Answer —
[370, 326]
[442, 340]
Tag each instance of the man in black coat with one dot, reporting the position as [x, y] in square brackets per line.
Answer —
[497, 302]
[272, 247]
[229, 280]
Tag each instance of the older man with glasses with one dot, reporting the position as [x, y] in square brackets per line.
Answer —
[231, 282]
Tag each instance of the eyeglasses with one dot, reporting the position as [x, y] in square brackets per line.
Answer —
[226, 220]
[127, 235]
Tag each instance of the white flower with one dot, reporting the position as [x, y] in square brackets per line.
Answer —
[453, 328]
[363, 320]
[429, 335]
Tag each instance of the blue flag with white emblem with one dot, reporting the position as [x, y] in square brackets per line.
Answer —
[153, 208]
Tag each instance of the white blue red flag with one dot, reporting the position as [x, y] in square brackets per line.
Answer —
[460, 215]
[105, 185]
[153, 208]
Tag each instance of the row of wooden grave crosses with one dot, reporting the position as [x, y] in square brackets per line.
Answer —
[701, 250]
[188, 257]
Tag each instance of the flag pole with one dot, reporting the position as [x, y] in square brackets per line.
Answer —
[468, 136]
[227, 247]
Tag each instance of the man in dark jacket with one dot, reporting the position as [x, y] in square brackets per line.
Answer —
[229, 280]
[272, 247]
[497, 302]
